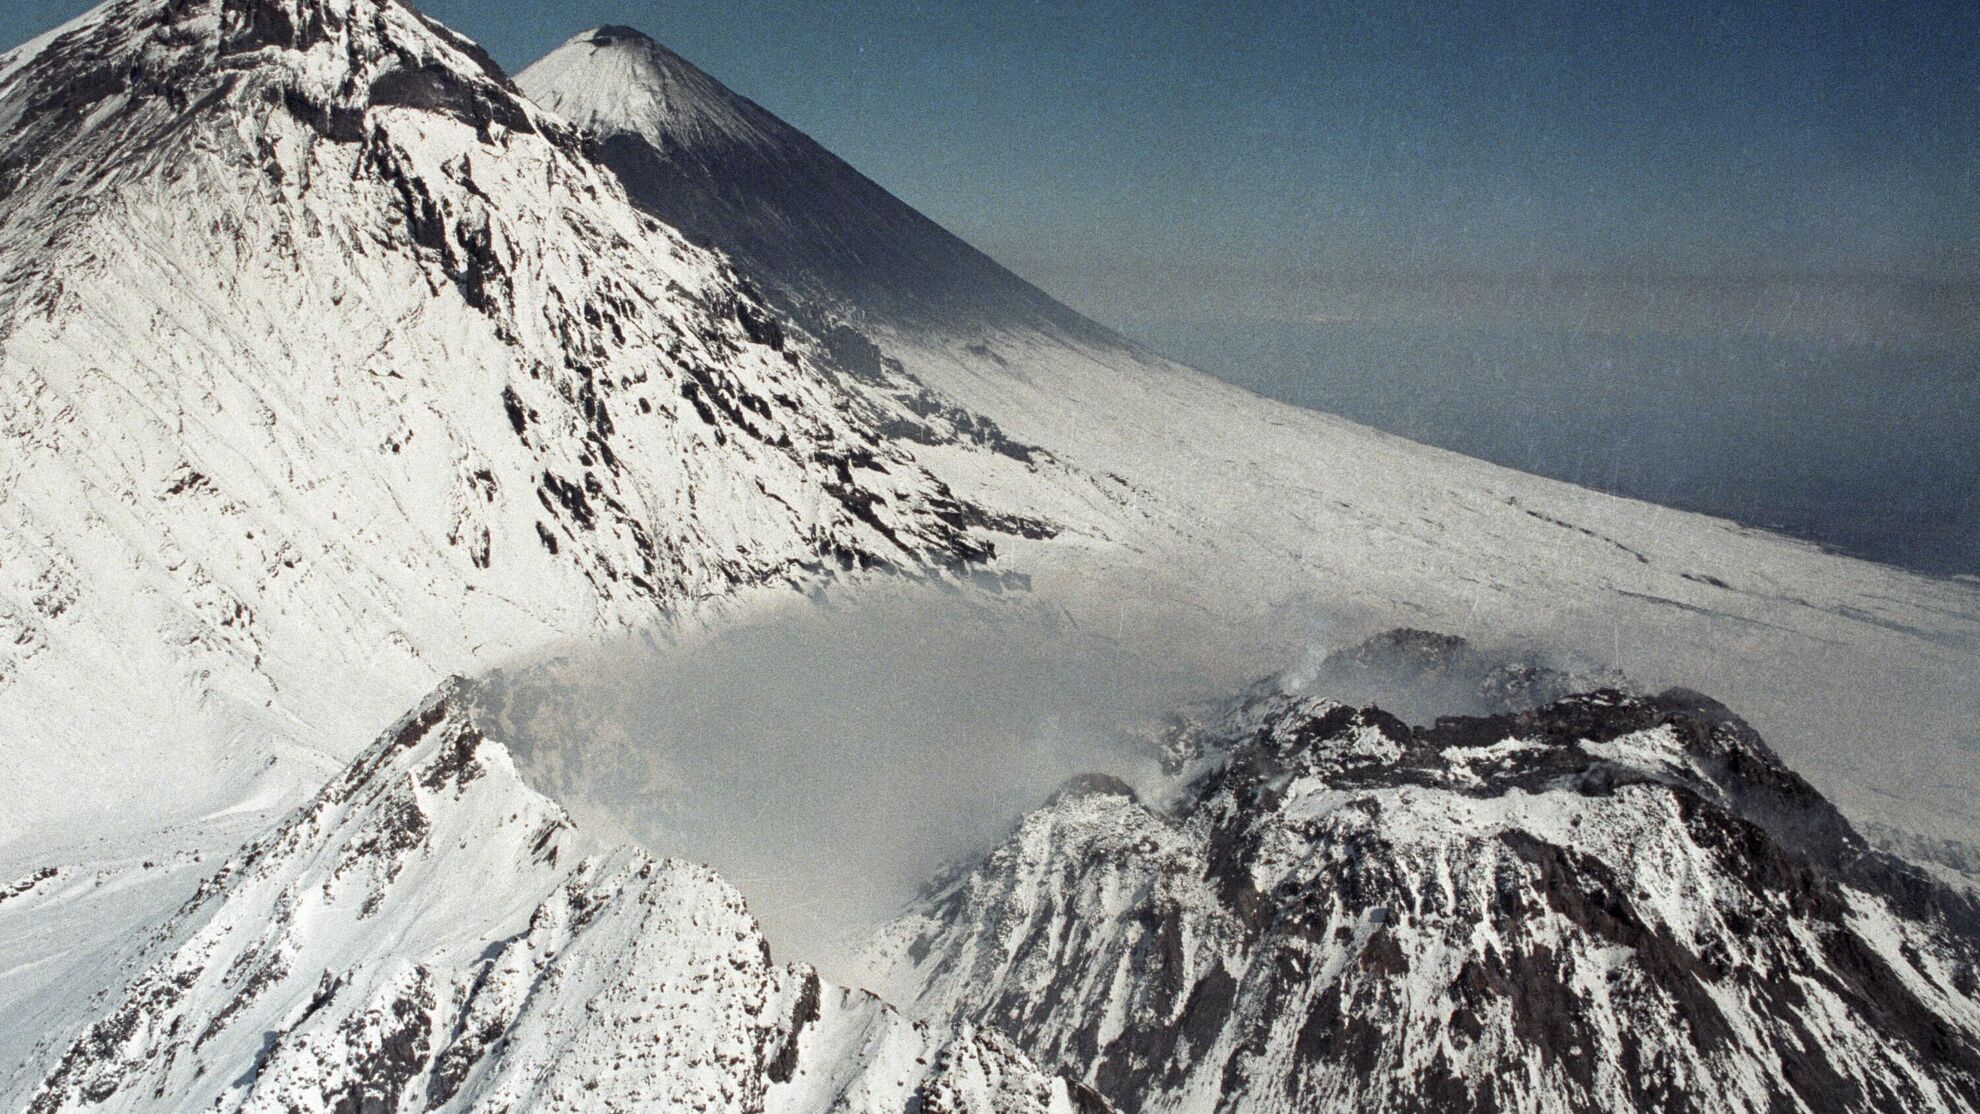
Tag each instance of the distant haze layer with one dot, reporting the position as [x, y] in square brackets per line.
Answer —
[1866, 448]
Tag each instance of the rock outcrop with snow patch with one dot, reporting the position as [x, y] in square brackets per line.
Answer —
[1604, 904]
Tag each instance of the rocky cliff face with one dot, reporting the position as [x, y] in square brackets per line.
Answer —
[1607, 903]
[430, 934]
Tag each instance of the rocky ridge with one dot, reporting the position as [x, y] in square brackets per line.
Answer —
[430, 934]
[1606, 903]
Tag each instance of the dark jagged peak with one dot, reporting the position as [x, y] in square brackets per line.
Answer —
[1419, 673]
[613, 33]
[1609, 902]
[1410, 674]
[1093, 785]
[824, 241]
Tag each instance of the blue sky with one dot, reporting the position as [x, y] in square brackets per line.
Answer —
[1400, 137]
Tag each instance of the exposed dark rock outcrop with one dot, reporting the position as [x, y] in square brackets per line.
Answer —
[1603, 903]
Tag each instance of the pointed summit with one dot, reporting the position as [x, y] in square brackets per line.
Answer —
[617, 80]
[825, 241]
[619, 31]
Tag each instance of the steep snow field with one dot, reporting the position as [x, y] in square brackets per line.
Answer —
[332, 368]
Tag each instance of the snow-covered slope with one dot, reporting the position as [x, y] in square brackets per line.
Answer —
[1607, 903]
[1222, 503]
[330, 366]
[430, 934]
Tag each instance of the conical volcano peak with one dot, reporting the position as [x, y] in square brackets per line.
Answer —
[825, 240]
[616, 80]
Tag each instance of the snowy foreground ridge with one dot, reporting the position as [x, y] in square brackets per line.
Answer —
[1604, 903]
[431, 934]
[334, 368]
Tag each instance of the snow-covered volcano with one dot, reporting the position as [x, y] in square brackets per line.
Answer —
[1220, 502]
[331, 365]
[830, 244]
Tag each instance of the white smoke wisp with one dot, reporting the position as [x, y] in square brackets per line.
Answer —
[829, 760]
[1318, 635]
